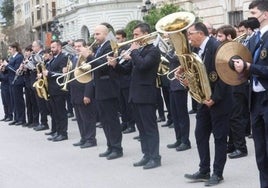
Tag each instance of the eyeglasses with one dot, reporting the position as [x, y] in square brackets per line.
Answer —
[192, 32]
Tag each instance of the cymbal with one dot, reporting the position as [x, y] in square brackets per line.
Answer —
[224, 64]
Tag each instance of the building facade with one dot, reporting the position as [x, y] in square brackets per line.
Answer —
[74, 19]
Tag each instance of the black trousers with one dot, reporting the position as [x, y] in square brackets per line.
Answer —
[126, 108]
[108, 110]
[19, 103]
[86, 116]
[59, 114]
[207, 122]
[145, 118]
[179, 111]
[32, 110]
[239, 120]
[166, 96]
[160, 104]
[259, 118]
[6, 100]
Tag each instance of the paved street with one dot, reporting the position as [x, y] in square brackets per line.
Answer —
[28, 160]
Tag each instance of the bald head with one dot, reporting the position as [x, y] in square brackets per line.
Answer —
[100, 33]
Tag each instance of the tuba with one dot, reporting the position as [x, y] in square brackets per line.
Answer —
[175, 25]
[41, 85]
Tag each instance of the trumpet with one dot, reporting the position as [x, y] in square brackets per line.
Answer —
[81, 71]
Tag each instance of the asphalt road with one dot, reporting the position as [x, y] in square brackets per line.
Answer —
[28, 160]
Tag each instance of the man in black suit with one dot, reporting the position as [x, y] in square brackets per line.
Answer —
[179, 109]
[143, 94]
[82, 99]
[258, 87]
[59, 118]
[213, 114]
[16, 84]
[42, 104]
[107, 89]
[128, 122]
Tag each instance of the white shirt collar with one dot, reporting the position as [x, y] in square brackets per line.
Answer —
[202, 46]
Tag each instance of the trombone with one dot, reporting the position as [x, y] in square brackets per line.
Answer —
[80, 72]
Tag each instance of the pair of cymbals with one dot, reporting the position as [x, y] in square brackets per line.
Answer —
[225, 66]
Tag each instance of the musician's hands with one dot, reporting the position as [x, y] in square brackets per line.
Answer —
[64, 69]
[85, 52]
[112, 61]
[5, 63]
[240, 65]
[179, 75]
[126, 55]
[45, 72]
[135, 45]
[209, 102]
[39, 76]
[86, 100]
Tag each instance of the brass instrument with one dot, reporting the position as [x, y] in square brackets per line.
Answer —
[240, 38]
[67, 77]
[194, 69]
[163, 68]
[41, 85]
[84, 68]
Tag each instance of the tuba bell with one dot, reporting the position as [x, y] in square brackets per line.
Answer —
[175, 26]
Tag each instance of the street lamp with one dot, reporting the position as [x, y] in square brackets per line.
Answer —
[148, 5]
[39, 8]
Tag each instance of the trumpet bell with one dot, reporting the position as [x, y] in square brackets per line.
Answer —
[82, 79]
[175, 22]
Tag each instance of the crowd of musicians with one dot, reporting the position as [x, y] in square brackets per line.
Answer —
[124, 92]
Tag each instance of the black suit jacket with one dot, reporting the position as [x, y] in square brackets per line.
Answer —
[144, 65]
[105, 78]
[56, 66]
[14, 64]
[221, 92]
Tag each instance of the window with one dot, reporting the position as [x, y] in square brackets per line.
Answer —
[235, 17]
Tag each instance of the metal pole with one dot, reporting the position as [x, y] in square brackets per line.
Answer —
[41, 24]
[46, 15]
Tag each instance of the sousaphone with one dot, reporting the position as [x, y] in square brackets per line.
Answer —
[225, 66]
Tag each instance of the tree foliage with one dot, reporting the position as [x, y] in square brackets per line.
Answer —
[156, 14]
[6, 11]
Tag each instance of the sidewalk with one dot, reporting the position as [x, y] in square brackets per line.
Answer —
[28, 160]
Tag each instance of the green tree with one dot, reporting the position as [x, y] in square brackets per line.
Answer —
[6, 11]
[156, 14]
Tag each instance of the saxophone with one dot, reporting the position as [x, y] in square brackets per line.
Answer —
[41, 85]
[194, 69]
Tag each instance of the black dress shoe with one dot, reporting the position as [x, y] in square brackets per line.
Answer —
[214, 180]
[152, 163]
[176, 144]
[183, 147]
[19, 123]
[8, 119]
[49, 133]
[167, 124]
[80, 143]
[70, 115]
[129, 130]
[142, 162]
[4, 119]
[114, 155]
[88, 145]
[60, 138]
[52, 136]
[198, 177]
[26, 124]
[106, 153]
[12, 123]
[161, 119]
[237, 154]
[41, 127]
[192, 112]
[98, 124]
